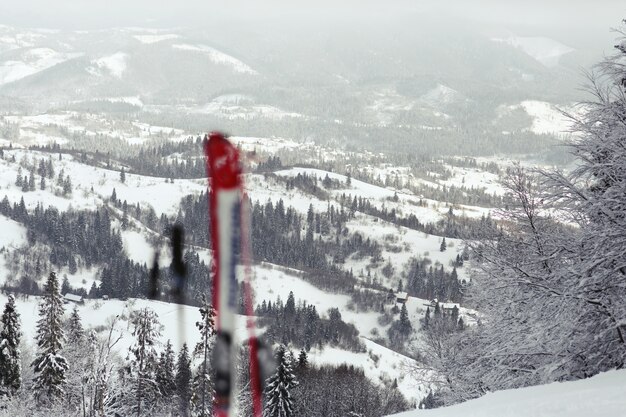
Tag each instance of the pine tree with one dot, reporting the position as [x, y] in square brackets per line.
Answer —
[405, 323]
[75, 333]
[443, 246]
[67, 186]
[19, 179]
[65, 286]
[165, 373]
[303, 360]
[183, 381]
[50, 367]
[146, 332]
[31, 181]
[10, 365]
[277, 393]
[123, 176]
[203, 394]
[76, 353]
[42, 183]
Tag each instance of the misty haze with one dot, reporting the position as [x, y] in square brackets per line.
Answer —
[312, 209]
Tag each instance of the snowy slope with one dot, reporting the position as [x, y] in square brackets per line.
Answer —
[217, 57]
[31, 61]
[114, 64]
[603, 395]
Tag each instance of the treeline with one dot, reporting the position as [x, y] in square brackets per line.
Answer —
[81, 239]
[277, 237]
[428, 282]
[301, 325]
[344, 391]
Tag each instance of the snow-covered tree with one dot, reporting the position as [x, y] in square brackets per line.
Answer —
[279, 402]
[183, 381]
[10, 334]
[79, 355]
[165, 373]
[75, 333]
[147, 331]
[203, 394]
[49, 365]
[303, 360]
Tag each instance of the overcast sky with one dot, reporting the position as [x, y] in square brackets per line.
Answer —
[107, 13]
[583, 24]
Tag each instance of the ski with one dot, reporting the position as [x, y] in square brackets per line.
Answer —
[228, 232]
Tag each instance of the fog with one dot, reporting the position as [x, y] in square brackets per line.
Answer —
[577, 15]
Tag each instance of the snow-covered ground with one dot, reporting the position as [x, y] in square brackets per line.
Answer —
[217, 57]
[31, 61]
[115, 64]
[603, 395]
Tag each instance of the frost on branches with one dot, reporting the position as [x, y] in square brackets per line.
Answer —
[551, 281]
[147, 331]
[277, 392]
[10, 334]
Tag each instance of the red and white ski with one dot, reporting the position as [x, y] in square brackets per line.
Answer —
[228, 232]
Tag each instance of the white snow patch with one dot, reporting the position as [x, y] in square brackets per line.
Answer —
[31, 62]
[148, 39]
[547, 119]
[217, 57]
[115, 64]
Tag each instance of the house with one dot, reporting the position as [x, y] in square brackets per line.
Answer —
[401, 297]
[78, 299]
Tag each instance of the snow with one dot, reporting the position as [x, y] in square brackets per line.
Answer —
[31, 62]
[217, 57]
[547, 119]
[441, 94]
[545, 50]
[163, 196]
[380, 365]
[13, 234]
[601, 395]
[137, 247]
[149, 39]
[115, 64]
[247, 112]
[132, 100]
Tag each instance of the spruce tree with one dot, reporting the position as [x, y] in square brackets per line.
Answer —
[443, 246]
[277, 392]
[50, 367]
[405, 323]
[146, 332]
[75, 333]
[303, 360]
[165, 373]
[10, 365]
[183, 381]
[123, 176]
[202, 389]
